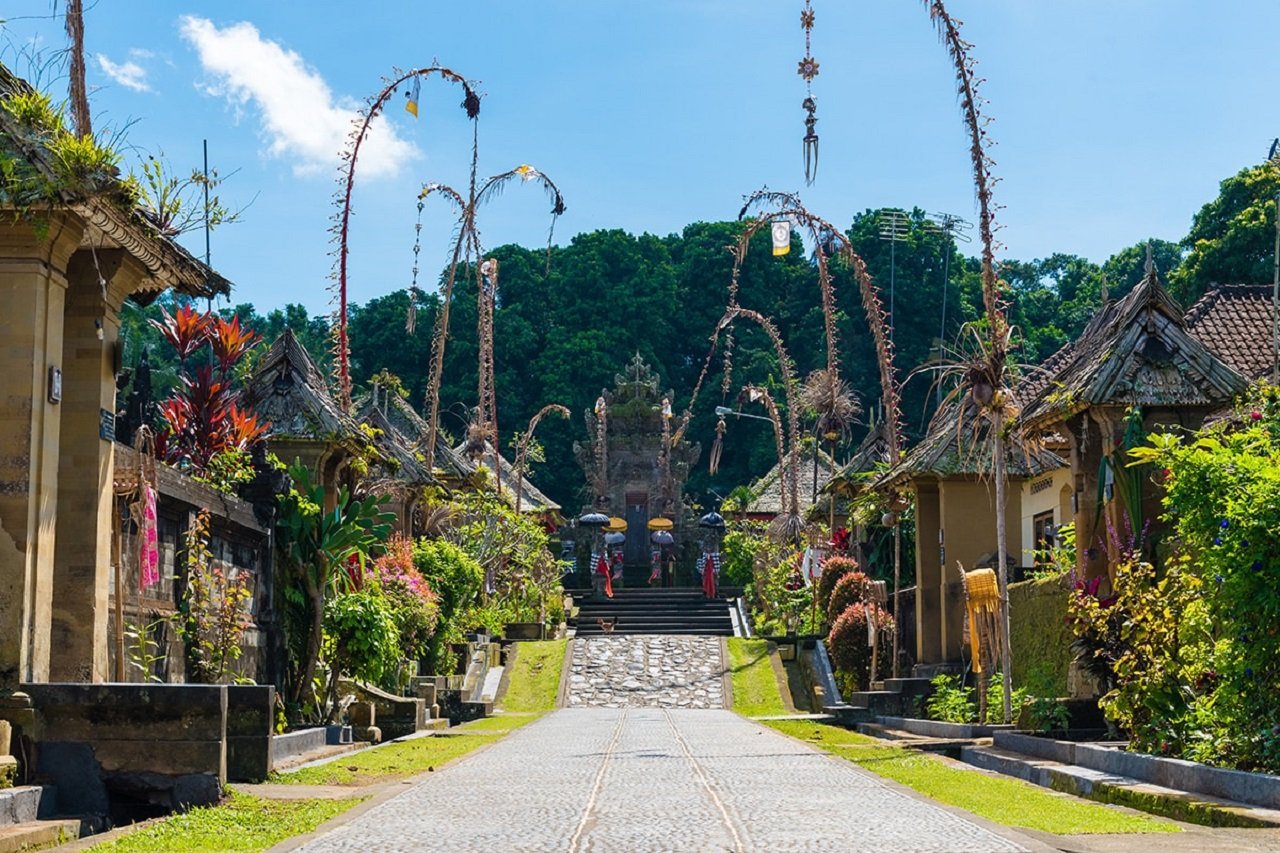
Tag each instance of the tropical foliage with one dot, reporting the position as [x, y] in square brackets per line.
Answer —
[323, 551]
[1188, 650]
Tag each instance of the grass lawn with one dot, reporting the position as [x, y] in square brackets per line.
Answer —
[535, 678]
[755, 687]
[387, 763]
[242, 823]
[499, 724]
[1011, 802]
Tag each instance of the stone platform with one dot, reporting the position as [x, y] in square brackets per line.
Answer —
[642, 671]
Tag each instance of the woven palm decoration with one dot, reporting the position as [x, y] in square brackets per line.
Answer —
[982, 601]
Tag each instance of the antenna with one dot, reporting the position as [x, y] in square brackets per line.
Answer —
[895, 225]
[208, 265]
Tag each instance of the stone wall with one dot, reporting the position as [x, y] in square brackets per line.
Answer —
[239, 544]
[132, 751]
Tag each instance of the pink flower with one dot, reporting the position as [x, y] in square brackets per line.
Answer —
[1256, 415]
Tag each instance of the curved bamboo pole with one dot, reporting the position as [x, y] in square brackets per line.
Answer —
[757, 392]
[522, 451]
[990, 368]
[342, 221]
[467, 245]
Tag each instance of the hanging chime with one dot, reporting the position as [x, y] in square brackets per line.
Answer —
[808, 70]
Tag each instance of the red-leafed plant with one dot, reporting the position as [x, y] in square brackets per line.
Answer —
[203, 419]
[186, 331]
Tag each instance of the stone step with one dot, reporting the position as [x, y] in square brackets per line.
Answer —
[645, 615]
[640, 618]
[23, 804]
[595, 631]
[37, 834]
[1120, 790]
[948, 746]
[908, 686]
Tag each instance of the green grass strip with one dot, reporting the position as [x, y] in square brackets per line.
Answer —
[1003, 800]
[387, 763]
[755, 686]
[242, 823]
[499, 724]
[533, 685]
[535, 676]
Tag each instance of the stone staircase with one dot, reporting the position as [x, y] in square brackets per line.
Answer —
[652, 611]
[892, 697]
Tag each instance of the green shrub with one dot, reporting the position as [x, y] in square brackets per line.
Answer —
[995, 698]
[951, 701]
[456, 578]
[360, 634]
[738, 556]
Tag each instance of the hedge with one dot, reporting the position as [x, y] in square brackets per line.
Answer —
[1039, 635]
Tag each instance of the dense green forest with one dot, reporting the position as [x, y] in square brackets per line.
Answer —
[565, 329]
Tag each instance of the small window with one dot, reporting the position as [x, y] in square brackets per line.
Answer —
[1043, 533]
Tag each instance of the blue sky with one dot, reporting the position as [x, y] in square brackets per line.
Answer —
[1114, 120]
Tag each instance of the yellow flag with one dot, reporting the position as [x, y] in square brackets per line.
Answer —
[411, 105]
[781, 237]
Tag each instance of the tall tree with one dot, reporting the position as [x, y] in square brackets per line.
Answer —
[1232, 239]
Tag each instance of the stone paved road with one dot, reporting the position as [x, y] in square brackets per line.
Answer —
[652, 779]
[646, 671]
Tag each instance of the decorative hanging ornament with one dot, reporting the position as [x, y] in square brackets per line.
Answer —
[489, 269]
[411, 317]
[717, 447]
[413, 96]
[808, 69]
[781, 232]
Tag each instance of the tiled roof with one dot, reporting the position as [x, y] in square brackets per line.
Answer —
[413, 432]
[532, 498]
[1235, 321]
[101, 200]
[957, 444]
[289, 390]
[768, 489]
[1135, 351]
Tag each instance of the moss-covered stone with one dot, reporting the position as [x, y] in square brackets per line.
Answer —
[1184, 808]
[1039, 636]
[8, 771]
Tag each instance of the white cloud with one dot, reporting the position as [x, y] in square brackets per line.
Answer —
[131, 75]
[301, 118]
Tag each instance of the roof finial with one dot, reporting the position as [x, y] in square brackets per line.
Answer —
[1105, 292]
[1149, 269]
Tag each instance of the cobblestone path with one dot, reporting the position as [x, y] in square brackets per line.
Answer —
[652, 779]
[646, 671]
